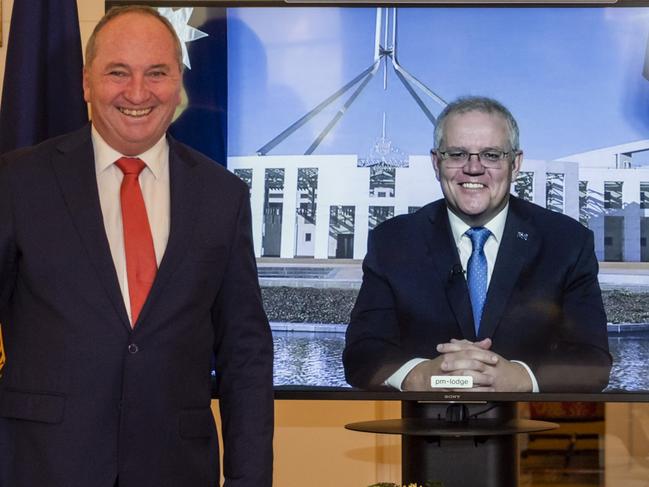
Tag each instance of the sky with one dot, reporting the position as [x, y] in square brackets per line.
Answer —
[571, 76]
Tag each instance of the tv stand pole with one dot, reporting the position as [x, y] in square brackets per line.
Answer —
[459, 445]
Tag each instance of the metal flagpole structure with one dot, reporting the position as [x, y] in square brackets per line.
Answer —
[384, 52]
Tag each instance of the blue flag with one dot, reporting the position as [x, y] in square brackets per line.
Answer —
[42, 95]
[204, 123]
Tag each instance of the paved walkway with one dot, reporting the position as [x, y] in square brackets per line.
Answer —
[633, 276]
[348, 274]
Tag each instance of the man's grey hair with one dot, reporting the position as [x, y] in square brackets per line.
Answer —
[477, 104]
[91, 47]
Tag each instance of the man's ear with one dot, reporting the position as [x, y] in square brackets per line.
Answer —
[516, 164]
[86, 85]
[435, 160]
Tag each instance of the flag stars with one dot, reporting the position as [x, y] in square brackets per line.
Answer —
[179, 18]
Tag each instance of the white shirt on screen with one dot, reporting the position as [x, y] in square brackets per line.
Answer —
[154, 182]
[464, 247]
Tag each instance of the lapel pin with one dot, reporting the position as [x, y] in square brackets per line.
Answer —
[522, 235]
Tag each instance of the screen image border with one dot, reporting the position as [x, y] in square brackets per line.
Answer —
[345, 393]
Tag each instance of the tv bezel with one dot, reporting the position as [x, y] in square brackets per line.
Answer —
[306, 392]
[393, 3]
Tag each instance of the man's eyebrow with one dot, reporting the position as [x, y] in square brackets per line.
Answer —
[487, 147]
[117, 65]
[159, 66]
[126, 66]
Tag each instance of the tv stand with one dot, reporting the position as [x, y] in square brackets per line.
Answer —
[459, 445]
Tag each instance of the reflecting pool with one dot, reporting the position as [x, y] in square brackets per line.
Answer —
[314, 359]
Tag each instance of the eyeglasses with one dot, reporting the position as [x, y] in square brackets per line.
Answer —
[455, 158]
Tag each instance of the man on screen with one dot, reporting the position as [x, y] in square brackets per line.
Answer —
[126, 272]
[479, 284]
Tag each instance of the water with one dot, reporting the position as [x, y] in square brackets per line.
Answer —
[630, 370]
[314, 359]
[309, 359]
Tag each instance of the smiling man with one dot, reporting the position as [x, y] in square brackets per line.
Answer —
[127, 274]
[479, 284]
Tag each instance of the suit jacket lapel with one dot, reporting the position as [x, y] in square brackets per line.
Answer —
[443, 254]
[520, 243]
[74, 167]
[185, 195]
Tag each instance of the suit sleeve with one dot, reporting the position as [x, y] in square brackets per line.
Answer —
[373, 350]
[244, 364]
[578, 359]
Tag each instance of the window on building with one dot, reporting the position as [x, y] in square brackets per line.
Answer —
[554, 186]
[273, 208]
[378, 214]
[524, 185]
[274, 181]
[613, 195]
[306, 196]
[644, 237]
[584, 215]
[341, 231]
[382, 181]
[644, 195]
[307, 193]
[245, 175]
[613, 238]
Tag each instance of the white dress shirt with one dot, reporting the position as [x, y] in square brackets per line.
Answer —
[464, 247]
[154, 182]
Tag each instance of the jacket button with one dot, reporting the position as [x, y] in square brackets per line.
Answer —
[132, 348]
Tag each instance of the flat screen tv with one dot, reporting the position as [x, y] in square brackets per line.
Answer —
[327, 112]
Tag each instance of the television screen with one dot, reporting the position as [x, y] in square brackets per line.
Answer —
[327, 113]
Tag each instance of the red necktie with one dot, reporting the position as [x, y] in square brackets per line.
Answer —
[141, 266]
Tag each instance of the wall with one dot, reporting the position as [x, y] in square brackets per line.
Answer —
[313, 448]
[6, 17]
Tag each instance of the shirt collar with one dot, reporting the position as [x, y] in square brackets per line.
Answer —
[496, 225]
[154, 158]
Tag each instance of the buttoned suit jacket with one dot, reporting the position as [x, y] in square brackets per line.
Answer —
[83, 396]
[543, 305]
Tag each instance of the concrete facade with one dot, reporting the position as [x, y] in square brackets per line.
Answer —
[348, 188]
[606, 189]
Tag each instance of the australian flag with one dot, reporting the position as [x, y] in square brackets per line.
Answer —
[203, 124]
[42, 95]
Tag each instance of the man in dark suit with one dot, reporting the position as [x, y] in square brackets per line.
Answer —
[479, 284]
[120, 288]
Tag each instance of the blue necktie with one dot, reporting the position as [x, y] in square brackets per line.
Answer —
[477, 272]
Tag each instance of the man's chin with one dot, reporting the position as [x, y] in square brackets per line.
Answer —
[134, 146]
[138, 138]
[473, 215]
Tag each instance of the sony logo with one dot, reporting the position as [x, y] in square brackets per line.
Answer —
[451, 396]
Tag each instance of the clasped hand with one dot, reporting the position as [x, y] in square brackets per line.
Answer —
[490, 371]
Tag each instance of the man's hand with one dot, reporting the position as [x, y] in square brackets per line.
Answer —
[459, 357]
[462, 357]
[508, 377]
[490, 371]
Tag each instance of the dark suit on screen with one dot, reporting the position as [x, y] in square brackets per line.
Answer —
[85, 398]
[543, 306]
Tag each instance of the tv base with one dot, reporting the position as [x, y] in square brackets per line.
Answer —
[458, 445]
